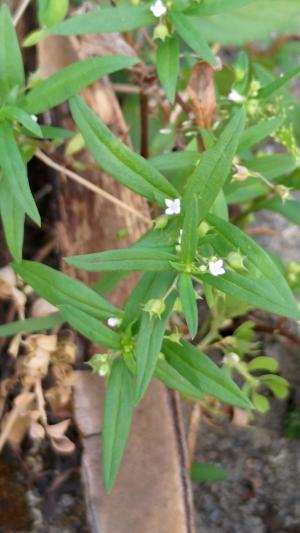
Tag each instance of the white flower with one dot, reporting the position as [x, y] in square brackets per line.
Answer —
[158, 8]
[173, 206]
[113, 322]
[235, 96]
[216, 267]
[34, 118]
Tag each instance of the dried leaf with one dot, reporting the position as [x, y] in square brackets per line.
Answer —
[201, 92]
[64, 445]
[36, 431]
[57, 431]
[42, 308]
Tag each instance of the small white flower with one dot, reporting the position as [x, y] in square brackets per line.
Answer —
[113, 322]
[34, 118]
[235, 96]
[173, 206]
[158, 8]
[216, 267]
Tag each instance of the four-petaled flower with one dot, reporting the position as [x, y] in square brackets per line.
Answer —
[158, 8]
[216, 267]
[235, 96]
[113, 322]
[173, 206]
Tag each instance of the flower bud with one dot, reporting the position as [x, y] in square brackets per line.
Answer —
[100, 364]
[236, 261]
[161, 32]
[161, 222]
[203, 229]
[155, 307]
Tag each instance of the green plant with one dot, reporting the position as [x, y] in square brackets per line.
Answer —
[192, 249]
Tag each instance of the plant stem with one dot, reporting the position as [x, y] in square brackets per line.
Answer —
[20, 10]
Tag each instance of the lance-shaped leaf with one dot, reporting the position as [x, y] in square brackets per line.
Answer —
[210, 175]
[272, 88]
[31, 325]
[11, 63]
[16, 113]
[189, 303]
[90, 327]
[148, 346]
[117, 159]
[15, 172]
[69, 81]
[60, 289]
[13, 217]
[203, 374]
[259, 131]
[118, 411]
[261, 284]
[133, 259]
[168, 375]
[189, 235]
[187, 28]
[106, 20]
[167, 65]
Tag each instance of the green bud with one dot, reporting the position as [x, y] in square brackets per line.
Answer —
[100, 364]
[294, 268]
[239, 74]
[175, 337]
[236, 261]
[161, 32]
[283, 192]
[155, 307]
[203, 229]
[161, 222]
[177, 308]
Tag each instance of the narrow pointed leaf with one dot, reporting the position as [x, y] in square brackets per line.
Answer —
[31, 325]
[167, 64]
[204, 375]
[71, 80]
[189, 237]
[13, 218]
[90, 327]
[259, 131]
[106, 20]
[133, 259]
[11, 63]
[215, 7]
[261, 284]
[118, 411]
[15, 172]
[60, 289]
[169, 376]
[16, 113]
[211, 173]
[188, 30]
[189, 303]
[272, 88]
[148, 347]
[117, 159]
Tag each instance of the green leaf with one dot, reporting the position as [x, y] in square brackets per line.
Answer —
[187, 28]
[11, 63]
[172, 379]
[13, 218]
[90, 327]
[174, 161]
[260, 402]
[70, 80]
[52, 12]
[60, 289]
[118, 411]
[128, 259]
[167, 64]
[262, 285]
[203, 374]
[263, 363]
[278, 385]
[214, 7]
[189, 236]
[290, 209]
[189, 303]
[207, 472]
[31, 325]
[259, 131]
[16, 113]
[35, 37]
[15, 173]
[148, 346]
[210, 174]
[106, 20]
[272, 88]
[249, 22]
[56, 134]
[117, 159]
